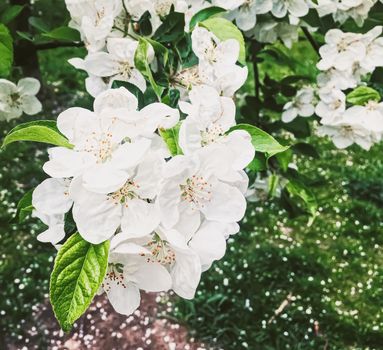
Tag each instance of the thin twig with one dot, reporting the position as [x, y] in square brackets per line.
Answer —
[55, 45]
[310, 38]
[257, 82]
[281, 307]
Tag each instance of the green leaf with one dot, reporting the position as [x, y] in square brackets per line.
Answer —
[159, 49]
[24, 207]
[39, 24]
[25, 35]
[144, 24]
[172, 98]
[171, 29]
[204, 15]
[64, 34]
[273, 183]
[362, 94]
[284, 159]
[262, 141]
[141, 63]
[298, 189]
[39, 131]
[6, 51]
[170, 136]
[78, 272]
[11, 13]
[224, 30]
[258, 163]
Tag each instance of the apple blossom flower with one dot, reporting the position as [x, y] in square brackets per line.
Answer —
[341, 50]
[374, 49]
[211, 51]
[94, 85]
[244, 12]
[105, 140]
[200, 185]
[348, 130]
[117, 63]
[341, 10]
[129, 271]
[301, 105]
[209, 117]
[270, 31]
[18, 99]
[296, 8]
[99, 211]
[170, 249]
[94, 19]
[331, 106]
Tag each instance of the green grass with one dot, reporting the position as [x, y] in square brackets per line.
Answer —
[332, 269]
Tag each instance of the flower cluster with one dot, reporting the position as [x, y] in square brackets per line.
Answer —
[18, 99]
[341, 10]
[216, 68]
[245, 11]
[108, 31]
[167, 217]
[346, 59]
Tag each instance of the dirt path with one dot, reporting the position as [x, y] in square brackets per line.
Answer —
[101, 328]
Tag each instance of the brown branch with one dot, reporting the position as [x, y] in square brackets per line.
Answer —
[310, 38]
[57, 44]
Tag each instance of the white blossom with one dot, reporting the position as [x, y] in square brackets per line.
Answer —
[296, 8]
[245, 12]
[341, 50]
[117, 63]
[94, 19]
[301, 105]
[341, 10]
[18, 99]
[200, 185]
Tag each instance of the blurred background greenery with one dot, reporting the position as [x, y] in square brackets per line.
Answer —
[282, 284]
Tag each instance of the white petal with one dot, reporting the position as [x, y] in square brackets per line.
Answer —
[209, 242]
[227, 204]
[140, 218]
[66, 163]
[190, 138]
[289, 115]
[53, 234]
[52, 197]
[160, 115]
[115, 98]
[31, 105]
[28, 86]
[103, 178]
[97, 218]
[153, 277]
[130, 154]
[188, 222]
[101, 64]
[186, 273]
[168, 200]
[125, 299]
[74, 123]
[240, 146]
